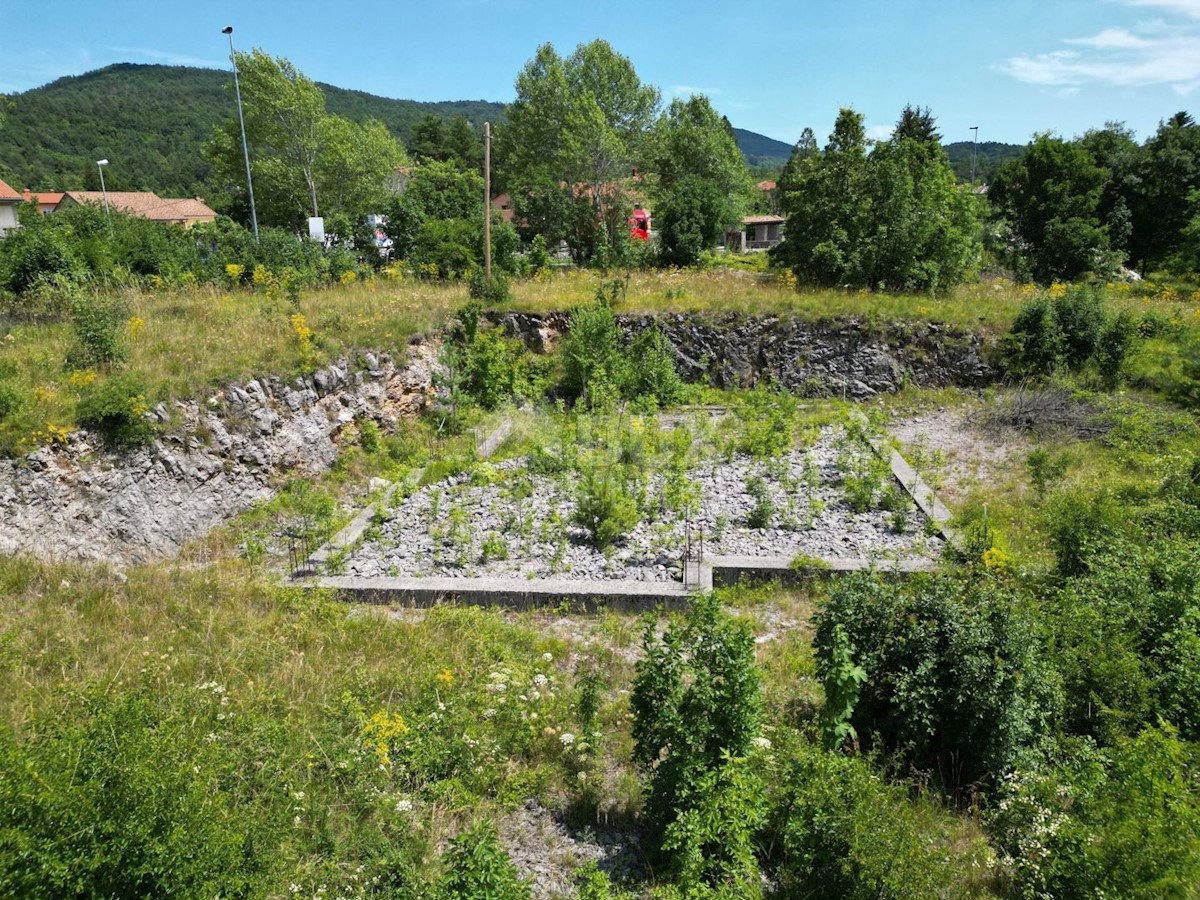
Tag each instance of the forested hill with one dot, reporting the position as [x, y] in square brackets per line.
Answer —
[990, 155]
[152, 121]
[760, 150]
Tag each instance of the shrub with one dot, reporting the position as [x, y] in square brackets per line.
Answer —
[493, 368]
[696, 707]
[122, 796]
[594, 366]
[955, 685]
[116, 407]
[604, 506]
[763, 511]
[1080, 316]
[765, 421]
[1034, 341]
[479, 869]
[1112, 349]
[99, 332]
[496, 292]
[652, 374]
[1120, 823]
[843, 832]
[539, 258]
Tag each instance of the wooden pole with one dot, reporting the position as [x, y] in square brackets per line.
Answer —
[487, 203]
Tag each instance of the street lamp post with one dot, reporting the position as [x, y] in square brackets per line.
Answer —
[974, 141]
[100, 164]
[228, 30]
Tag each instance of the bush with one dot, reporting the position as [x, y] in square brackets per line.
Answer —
[842, 832]
[594, 366]
[122, 796]
[99, 332]
[765, 418]
[956, 685]
[696, 707]
[1034, 342]
[479, 869]
[652, 375]
[116, 408]
[1121, 823]
[604, 506]
[496, 292]
[493, 368]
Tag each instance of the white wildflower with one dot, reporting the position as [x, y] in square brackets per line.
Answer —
[567, 738]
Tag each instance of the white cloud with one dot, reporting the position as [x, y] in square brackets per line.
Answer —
[880, 132]
[1167, 55]
[1111, 39]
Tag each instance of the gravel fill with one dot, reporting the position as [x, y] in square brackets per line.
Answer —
[441, 529]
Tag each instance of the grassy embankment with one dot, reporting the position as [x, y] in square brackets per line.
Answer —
[184, 343]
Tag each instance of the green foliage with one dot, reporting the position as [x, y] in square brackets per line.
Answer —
[1045, 469]
[843, 681]
[696, 706]
[99, 325]
[306, 161]
[842, 832]
[494, 368]
[652, 375]
[604, 505]
[891, 219]
[765, 417]
[153, 118]
[1050, 200]
[1070, 333]
[123, 796]
[494, 293]
[539, 258]
[704, 187]
[711, 843]
[116, 407]
[575, 128]
[594, 364]
[479, 869]
[763, 511]
[956, 683]
[1121, 823]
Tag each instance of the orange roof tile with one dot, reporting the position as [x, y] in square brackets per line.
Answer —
[7, 193]
[766, 185]
[762, 220]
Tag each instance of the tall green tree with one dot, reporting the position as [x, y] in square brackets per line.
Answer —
[703, 185]
[828, 209]
[304, 161]
[1169, 170]
[580, 123]
[1049, 200]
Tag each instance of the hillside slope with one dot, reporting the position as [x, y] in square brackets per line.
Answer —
[152, 121]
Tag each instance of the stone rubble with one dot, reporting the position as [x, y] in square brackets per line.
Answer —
[441, 529]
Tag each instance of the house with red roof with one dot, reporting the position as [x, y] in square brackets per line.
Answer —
[145, 204]
[46, 200]
[9, 201]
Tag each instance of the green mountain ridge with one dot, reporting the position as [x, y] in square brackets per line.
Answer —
[152, 120]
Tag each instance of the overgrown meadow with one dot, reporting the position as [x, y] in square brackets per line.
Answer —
[1021, 723]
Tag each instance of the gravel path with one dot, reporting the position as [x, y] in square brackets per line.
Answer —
[518, 524]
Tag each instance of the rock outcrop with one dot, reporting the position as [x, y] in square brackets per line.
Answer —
[221, 455]
[830, 357]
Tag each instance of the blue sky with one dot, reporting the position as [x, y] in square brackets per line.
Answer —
[1012, 67]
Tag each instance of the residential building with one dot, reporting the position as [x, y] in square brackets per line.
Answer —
[46, 201]
[187, 211]
[756, 233]
[9, 201]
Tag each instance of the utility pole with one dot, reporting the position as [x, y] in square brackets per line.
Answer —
[974, 141]
[487, 203]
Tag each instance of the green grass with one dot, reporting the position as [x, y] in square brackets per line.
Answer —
[193, 340]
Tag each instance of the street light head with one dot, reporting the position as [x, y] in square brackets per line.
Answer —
[228, 29]
[102, 162]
